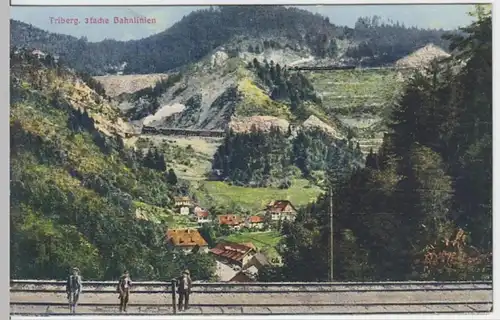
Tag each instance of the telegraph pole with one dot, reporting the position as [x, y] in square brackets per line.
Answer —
[331, 234]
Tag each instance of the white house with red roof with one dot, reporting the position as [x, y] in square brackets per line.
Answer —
[233, 221]
[202, 216]
[280, 210]
[255, 222]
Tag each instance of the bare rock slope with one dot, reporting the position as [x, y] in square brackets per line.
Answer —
[118, 84]
[422, 57]
[261, 123]
[218, 88]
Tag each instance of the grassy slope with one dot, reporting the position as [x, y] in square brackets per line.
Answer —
[347, 91]
[254, 199]
[257, 102]
[190, 157]
[265, 242]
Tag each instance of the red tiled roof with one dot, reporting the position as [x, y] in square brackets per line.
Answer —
[255, 219]
[229, 219]
[232, 251]
[202, 214]
[185, 238]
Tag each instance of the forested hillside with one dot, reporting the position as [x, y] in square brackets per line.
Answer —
[422, 206]
[79, 194]
[240, 29]
[261, 159]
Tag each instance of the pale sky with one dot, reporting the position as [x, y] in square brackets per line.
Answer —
[425, 16]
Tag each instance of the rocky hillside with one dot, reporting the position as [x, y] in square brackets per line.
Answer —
[422, 57]
[220, 92]
[239, 28]
[114, 85]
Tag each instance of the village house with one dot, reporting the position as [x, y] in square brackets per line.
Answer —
[198, 209]
[183, 205]
[202, 216]
[251, 271]
[230, 220]
[258, 261]
[280, 210]
[247, 275]
[238, 262]
[238, 254]
[186, 240]
[255, 222]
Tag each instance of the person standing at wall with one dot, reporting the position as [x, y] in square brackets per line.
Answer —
[124, 289]
[184, 285]
[73, 289]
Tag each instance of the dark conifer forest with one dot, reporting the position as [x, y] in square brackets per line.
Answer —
[422, 206]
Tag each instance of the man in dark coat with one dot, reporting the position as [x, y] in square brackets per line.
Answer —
[124, 289]
[184, 285]
[74, 288]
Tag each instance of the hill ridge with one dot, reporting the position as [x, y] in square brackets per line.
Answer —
[237, 28]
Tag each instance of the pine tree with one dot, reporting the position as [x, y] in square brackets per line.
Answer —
[171, 177]
[371, 160]
[159, 160]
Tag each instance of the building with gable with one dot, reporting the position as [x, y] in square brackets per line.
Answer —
[202, 216]
[255, 222]
[183, 205]
[186, 240]
[280, 210]
[234, 253]
[238, 262]
[230, 220]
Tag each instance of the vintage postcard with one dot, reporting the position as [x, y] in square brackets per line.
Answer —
[251, 160]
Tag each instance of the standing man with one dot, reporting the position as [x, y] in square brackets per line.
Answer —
[73, 289]
[184, 284]
[124, 289]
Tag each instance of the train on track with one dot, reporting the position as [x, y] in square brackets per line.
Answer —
[183, 132]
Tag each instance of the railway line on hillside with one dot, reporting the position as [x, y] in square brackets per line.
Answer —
[344, 68]
[183, 132]
[45, 297]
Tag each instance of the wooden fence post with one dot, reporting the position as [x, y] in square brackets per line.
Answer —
[174, 296]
